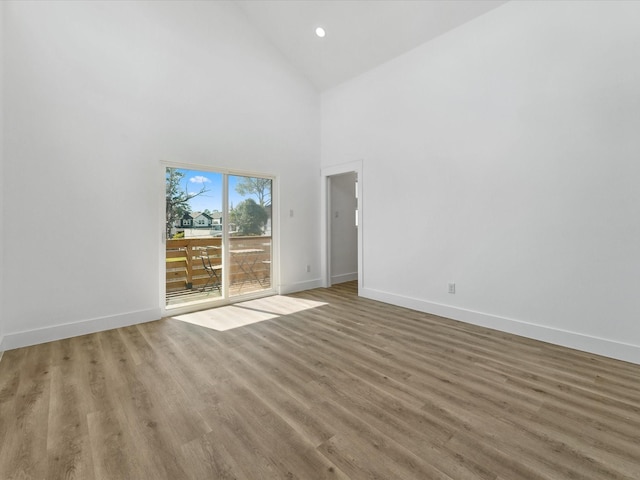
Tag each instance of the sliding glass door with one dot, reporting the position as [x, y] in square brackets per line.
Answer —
[219, 236]
[250, 223]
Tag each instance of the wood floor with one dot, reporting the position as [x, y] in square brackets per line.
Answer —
[353, 389]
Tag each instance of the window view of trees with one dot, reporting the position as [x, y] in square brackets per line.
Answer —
[260, 187]
[177, 198]
[194, 204]
[251, 217]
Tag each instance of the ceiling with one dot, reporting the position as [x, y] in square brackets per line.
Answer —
[361, 34]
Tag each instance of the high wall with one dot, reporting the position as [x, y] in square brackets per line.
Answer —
[96, 95]
[1, 170]
[505, 154]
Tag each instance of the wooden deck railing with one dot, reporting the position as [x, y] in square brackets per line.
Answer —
[184, 268]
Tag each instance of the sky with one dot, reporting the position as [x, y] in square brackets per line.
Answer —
[194, 180]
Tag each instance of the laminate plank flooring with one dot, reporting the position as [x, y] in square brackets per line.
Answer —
[334, 387]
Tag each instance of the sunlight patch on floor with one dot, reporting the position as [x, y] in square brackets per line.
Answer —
[281, 305]
[247, 313]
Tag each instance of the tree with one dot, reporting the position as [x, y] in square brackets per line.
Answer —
[260, 187]
[249, 217]
[177, 199]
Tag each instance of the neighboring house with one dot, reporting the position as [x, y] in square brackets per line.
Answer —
[199, 224]
[216, 218]
[185, 221]
[194, 220]
[201, 220]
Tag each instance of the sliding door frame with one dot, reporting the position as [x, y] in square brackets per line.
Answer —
[225, 299]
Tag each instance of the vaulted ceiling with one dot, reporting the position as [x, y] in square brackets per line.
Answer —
[360, 34]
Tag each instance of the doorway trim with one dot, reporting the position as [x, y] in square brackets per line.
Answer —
[325, 256]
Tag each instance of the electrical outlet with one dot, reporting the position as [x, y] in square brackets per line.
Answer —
[452, 288]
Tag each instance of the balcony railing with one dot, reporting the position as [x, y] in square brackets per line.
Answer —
[249, 265]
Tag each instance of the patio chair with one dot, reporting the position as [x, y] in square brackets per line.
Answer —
[266, 272]
[212, 271]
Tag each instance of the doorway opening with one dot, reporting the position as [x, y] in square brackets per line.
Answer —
[343, 227]
[219, 237]
[343, 224]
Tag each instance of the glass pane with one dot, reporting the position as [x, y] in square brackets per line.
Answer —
[249, 234]
[194, 236]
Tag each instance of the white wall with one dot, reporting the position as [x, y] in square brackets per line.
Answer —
[96, 95]
[344, 234]
[1, 173]
[507, 153]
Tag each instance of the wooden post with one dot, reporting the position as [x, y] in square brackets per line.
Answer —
[189, 255]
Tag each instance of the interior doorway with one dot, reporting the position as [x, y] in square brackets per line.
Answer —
[343, 228]
[343, 223]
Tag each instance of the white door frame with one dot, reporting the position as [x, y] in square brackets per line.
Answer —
[325, 232]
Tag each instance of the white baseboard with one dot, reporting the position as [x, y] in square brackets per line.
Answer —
[68, 330]
[599, 346]
[345, 277]
[300, 286]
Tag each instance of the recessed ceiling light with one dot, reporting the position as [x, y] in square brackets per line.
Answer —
[320, 32]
